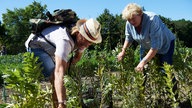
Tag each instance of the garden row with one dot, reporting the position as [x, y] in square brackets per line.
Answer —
[98, 80]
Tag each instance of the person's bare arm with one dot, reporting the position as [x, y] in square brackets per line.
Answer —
[60, 69]
[122, 53]
[151, 53]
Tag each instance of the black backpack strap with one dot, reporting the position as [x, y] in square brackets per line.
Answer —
[47, 40]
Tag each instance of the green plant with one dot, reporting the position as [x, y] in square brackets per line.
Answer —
[72, 91]
[170, 85]
[24, 82]
[98, 80]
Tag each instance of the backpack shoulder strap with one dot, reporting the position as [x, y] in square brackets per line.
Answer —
[40, 34]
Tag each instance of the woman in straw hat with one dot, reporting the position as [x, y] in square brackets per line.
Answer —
[55, 59]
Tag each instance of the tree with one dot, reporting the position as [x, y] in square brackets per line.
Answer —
[184, 31]
[17, 25]
[2, 35]
[181, 28]
[112, 29]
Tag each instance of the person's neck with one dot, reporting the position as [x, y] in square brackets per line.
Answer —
[139, 27]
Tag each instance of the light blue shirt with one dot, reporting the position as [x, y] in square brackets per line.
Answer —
[154, 33]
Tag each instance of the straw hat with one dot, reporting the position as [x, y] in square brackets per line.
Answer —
[90, 30]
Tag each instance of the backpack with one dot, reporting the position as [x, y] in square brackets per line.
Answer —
[66, 17]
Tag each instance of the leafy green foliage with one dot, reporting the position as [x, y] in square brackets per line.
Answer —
[118, 84]
[25, 85]
[98, 80]
[112, 30]
[74, 100]
[2, 34]
[10, 62]
[183, 31]
[17, 26]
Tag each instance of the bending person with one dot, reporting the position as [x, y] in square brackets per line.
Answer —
[55, 59]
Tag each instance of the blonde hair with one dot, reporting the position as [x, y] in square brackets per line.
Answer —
[130, 10]
[74, 30]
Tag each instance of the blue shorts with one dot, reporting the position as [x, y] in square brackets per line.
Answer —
[47, 62]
